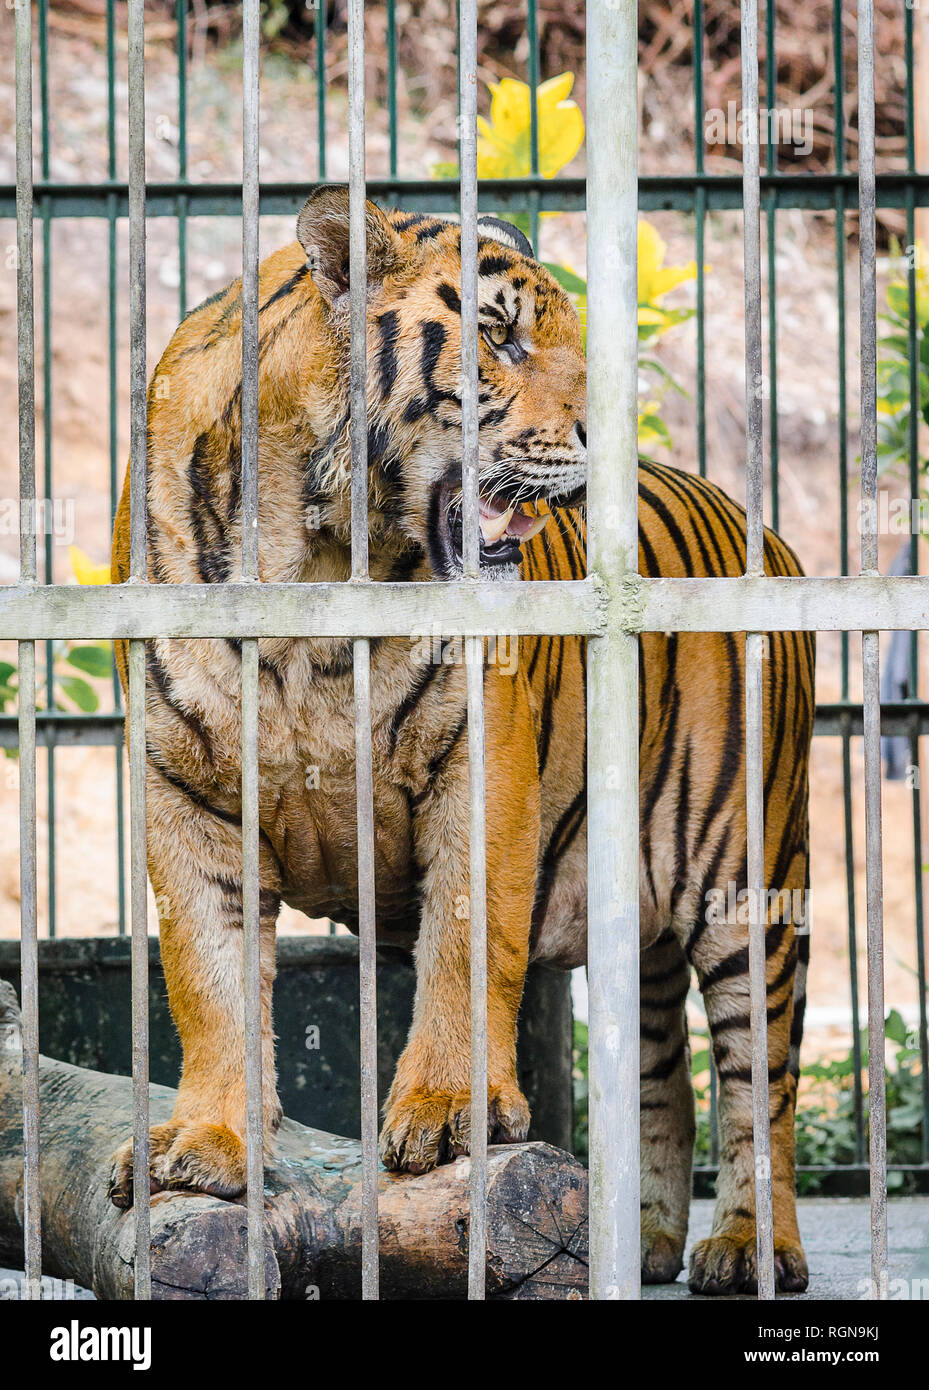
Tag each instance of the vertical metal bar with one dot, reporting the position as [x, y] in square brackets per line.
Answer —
[754, 653]
[921, 1002]
[870, 653]
[532, 24]
[477, 900]
[849, 825]
[700, 213]
[320, 30]
[181, 16]
[770, 223]
[361, 651]
[913, 686]
[367, 967]
[754, 796]
[113, 402]
[613, 698]
[138, 495]
[392, 83]
[474, 647]
[838, 60]
[25, 338]
[254, 1119]
[47, 416]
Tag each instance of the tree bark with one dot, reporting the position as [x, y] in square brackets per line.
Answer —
[537, 1207]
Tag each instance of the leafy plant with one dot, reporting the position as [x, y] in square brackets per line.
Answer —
[504, 152]
[893, 365]
[655, 279]
[503, 148]
[68, 690]
[825, 1121]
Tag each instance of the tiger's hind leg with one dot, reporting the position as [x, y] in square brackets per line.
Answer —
[725, 1263]
[667, 1110]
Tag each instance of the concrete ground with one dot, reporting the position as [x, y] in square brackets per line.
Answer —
[836, 1236]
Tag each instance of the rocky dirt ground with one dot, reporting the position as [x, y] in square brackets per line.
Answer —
[807, 417]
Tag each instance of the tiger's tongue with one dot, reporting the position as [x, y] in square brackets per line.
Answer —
[497, 522]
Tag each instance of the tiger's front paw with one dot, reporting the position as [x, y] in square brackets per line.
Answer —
[727, 1265]
[193, 1157]
[425, 1127]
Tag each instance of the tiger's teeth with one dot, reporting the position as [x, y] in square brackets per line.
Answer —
[493, 527]
[535, 528]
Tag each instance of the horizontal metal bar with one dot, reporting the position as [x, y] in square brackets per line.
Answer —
[299, 610]
[898, 717]
[104, 730]
[671, 192]
[857, 603]
[68, 730]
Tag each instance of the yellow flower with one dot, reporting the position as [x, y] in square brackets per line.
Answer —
[655, 279]
[84, 568]
[503, 147]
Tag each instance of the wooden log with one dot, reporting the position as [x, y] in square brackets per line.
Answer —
[537, 1207]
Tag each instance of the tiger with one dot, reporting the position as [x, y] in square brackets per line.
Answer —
[532, 475]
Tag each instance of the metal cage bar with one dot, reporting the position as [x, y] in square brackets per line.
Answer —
[474, 647]
[361, 652]
[138, 566]
[25, 371]
[613, 658]
[870, 653]
[251, 921]
[754, 651]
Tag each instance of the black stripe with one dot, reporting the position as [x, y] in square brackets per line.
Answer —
[494, 264]
[412, 698]
[162, 682]
[662, 1070]
[388, 325]
[283, 290]
[449, 297]
[731, 756]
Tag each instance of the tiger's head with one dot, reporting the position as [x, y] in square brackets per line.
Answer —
[531, 399]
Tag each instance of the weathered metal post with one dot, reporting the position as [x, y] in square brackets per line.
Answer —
[613, 697]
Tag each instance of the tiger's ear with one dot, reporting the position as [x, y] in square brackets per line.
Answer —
[323, 232]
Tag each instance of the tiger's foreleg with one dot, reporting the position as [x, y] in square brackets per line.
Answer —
[195, 865]
[726, 1262]
[667, 1110]
[427, 1116]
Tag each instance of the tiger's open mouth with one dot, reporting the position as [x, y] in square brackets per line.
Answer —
[504, 528]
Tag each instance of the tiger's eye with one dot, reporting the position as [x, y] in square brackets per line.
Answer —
[498, 334]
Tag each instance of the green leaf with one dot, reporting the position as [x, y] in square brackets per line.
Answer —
[83, 695]
[895, 1028]
[7, 669]
[96, 661]
[571, 283]
[651, 364]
